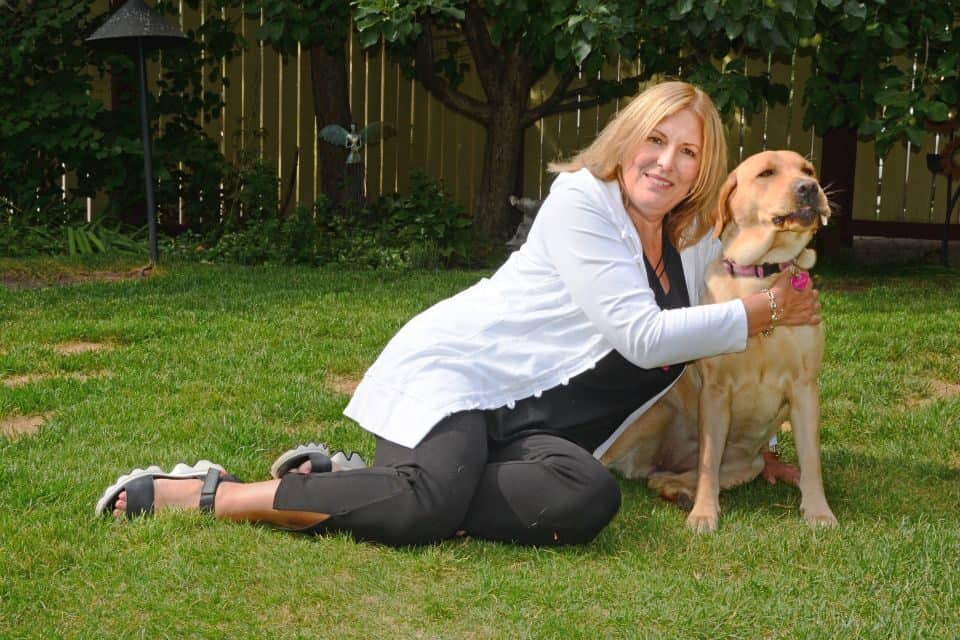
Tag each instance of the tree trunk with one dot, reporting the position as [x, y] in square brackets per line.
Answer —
[838, 165]
[328, 72]
[502, 167]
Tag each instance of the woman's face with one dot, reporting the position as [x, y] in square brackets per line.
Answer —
[661, 171]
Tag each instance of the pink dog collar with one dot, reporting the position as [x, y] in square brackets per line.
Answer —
[755, 270]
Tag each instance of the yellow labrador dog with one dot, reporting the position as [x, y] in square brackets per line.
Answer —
[709, 431]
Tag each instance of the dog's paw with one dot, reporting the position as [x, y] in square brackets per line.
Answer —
[820, 519]
[700, 522]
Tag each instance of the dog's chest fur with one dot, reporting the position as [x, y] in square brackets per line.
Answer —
[758, 382]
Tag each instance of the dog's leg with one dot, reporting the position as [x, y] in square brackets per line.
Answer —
[714, 425]
[805, 417]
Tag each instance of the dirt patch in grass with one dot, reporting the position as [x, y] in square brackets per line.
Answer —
[14, 426]
[341, 384]
[21, 281]
[29, 378]
[80, 346]
[939, 390]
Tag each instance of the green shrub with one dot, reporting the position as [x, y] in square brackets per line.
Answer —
[422, 229]
[427, 221]
[19, 240]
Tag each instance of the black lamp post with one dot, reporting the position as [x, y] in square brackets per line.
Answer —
[133, 29]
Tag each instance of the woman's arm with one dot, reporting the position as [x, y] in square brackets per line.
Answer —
[601, 266]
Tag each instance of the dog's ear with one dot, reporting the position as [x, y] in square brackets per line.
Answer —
[722, 212]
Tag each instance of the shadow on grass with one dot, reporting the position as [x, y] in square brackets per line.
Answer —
[859, 487]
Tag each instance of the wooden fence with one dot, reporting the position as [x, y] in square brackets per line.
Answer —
[272, 95]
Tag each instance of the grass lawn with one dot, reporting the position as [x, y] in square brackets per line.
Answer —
[237, 364]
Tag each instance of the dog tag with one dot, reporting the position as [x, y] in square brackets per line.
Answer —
[800, 281]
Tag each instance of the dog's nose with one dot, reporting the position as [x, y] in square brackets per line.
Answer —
[806, 191]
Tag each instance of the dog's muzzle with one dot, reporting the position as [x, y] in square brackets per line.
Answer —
[808, 213]
[803, 217]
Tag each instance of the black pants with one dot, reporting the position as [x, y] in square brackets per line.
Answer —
[536, 489]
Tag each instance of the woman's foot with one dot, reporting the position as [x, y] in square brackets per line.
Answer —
[173, 493]
[167, 494]
[145, 491]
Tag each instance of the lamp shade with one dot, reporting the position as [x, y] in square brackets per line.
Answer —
[136, 21]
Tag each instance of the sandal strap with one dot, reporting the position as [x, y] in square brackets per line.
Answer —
[208, 492]
[139, 497]
[319, 463]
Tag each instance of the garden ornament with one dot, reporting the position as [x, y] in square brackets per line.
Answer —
[354, 140]
[529, 208]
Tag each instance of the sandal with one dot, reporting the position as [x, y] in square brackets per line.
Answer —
[319, 457]
[353, 461]
[139, 487]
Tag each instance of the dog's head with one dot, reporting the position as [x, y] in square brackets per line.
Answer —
[769, 208]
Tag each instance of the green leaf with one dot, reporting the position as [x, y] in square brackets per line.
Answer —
[368, 38]
[855, 9]
[915, 135]
[590, 30]
[893, 39]
[710, 9]
[937, 111]
[869, 129]
[891, 98]
[581, 50]
[734, 29]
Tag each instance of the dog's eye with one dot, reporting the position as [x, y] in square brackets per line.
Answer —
[766, 173]
[808, 171]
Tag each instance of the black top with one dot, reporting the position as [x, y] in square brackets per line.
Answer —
[594, 403]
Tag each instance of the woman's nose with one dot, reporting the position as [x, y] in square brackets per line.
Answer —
[667, 156]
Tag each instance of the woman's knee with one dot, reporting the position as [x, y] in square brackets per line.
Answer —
[582, 512]
[558, 499]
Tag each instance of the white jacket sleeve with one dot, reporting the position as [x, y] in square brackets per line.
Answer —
[601, 265]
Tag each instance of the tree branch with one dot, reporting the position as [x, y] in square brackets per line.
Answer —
[545, 108]
[481, 47]
[426, 72]
[561, 100]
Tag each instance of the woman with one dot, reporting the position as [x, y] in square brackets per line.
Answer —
[490, 407]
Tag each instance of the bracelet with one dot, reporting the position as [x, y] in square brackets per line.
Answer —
[774, 313]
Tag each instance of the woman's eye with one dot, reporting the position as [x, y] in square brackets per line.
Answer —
[690, 152]
[655, 140]
[766, 173]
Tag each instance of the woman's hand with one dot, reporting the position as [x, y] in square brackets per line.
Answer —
[795, 306]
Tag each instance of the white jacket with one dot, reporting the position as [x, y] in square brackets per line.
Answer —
[573, 292]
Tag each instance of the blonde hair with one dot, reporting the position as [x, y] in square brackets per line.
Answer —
[694, 216]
